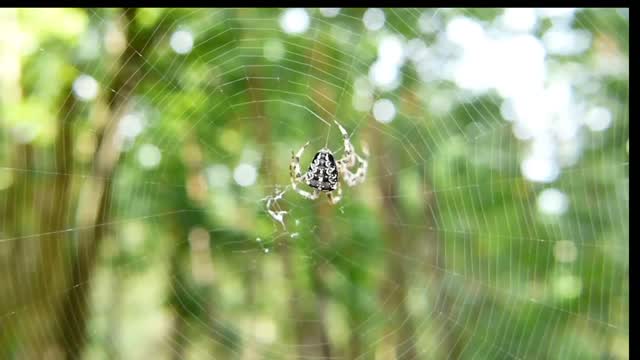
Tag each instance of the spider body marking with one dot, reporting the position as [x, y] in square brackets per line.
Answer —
[325, 172]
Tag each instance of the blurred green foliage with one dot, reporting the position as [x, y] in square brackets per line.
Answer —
[443, 252]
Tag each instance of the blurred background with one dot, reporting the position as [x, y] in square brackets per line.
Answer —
[139, 149]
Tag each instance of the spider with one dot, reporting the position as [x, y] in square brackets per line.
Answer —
[324, 172]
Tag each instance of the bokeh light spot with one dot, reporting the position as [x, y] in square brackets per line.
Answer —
[565, 251]
[553, 202]
[539, 169]
[218, 175]
[373, 19]
[85, 87]
[273, 50]
[295, 21]
[598, 119]
[329, 12]
[384, 111]
[182, 42]
[245, 175]
[149, 156]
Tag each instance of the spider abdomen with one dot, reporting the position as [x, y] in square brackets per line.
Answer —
[323, 172]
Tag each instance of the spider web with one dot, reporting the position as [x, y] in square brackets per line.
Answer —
[493, 221]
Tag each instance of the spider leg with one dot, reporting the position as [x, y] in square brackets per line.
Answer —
[353, 179]
[335, 199]
[297, 176]
[357, 177]
[361, 173]
[294, 166]
[308, 195]
[348, 159]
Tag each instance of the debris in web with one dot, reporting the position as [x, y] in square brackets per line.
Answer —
[273, 208]
[262, 246]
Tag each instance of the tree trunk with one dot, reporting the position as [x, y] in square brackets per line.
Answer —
[37, 264]
[452, 340]
[178, 335]
[394, 287]
[95, 199]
